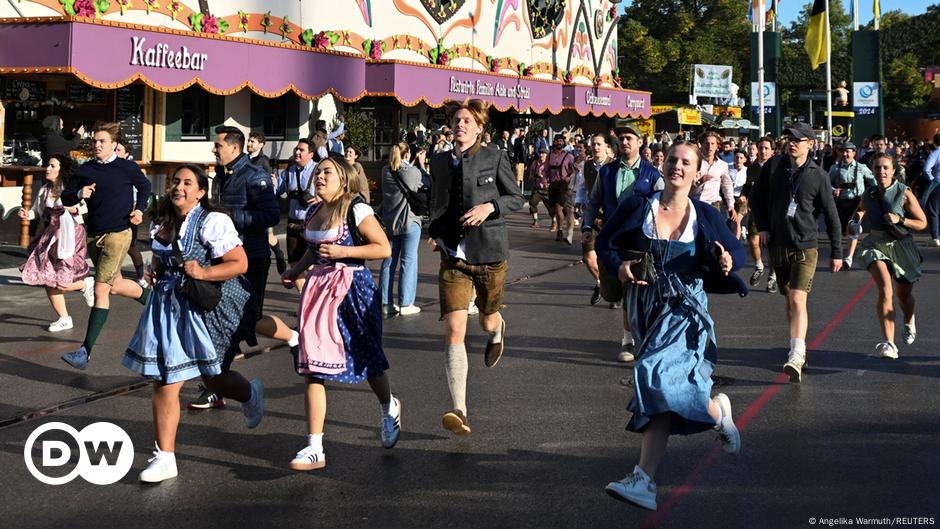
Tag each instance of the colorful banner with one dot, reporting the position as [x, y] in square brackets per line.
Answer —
[689, 116]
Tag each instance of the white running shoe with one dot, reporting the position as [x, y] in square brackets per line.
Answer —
[62, 324]
[886, 350]
[391, 426]
[408, 310]
[254, 408]
[910, 333]
[308, 459]
[162, 467]
[88, 291]
[794, 366]
[934, 243]
[727, 431]
[637, 488]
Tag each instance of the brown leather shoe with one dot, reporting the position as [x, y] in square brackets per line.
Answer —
[494, 351]
[455, 422]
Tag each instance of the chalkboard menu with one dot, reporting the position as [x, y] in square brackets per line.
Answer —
[23, 90]
[129, 111]
[82, 93]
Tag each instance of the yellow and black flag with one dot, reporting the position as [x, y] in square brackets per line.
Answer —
[817, 34]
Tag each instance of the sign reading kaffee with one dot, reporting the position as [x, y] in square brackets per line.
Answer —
[161, 56]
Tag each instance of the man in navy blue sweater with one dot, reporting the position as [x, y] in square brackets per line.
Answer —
[247, 191]
[107, 185]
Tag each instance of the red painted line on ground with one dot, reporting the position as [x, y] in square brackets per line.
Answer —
[749, 414]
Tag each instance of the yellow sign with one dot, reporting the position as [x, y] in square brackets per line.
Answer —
[838, 130]
[727, 112]
[659, 109]
[689, 116]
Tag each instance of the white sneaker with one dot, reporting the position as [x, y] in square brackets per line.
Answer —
[308, 459]
[62, 324]
[847, 263]
[162, 467]
[254, 408]
[934, 242]
[794, 366]
[886, 350]
[727, 431]
[408, 310]
[910, 333]
[626, 352]
[473, 309]
[637, 488]
[391, 426]
[88, 291]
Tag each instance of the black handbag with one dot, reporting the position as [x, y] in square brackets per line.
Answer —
[643, 270]
[201, 293]
[419, 201]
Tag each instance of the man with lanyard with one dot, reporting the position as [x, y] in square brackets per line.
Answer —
[786, 198]
[245, 190]
[617, 180]
[931, 197]
[107, 185]
[765, 151]
[849, 180]
[600, 156]
[297, 183]
[714, 185]
[560, 172]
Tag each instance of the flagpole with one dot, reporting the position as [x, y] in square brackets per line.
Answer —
[760, 67]
[773, 26]
[854, 15]
[828, 75]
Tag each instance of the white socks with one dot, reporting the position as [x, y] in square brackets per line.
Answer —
[294, 339]
[316, 441]
[627, 338]
[759, 265]
[798, 346]
[497, 335]
[456, 370]
[390, 407]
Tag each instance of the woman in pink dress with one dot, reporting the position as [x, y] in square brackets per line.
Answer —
[56, 258]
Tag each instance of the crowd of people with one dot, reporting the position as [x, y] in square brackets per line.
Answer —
[662, 223]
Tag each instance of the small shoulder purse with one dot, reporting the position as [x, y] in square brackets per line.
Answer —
[201, 293]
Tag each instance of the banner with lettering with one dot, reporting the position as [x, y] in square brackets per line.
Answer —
[710, 80]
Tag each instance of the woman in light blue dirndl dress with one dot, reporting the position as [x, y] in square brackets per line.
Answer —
[176, 339]
[692, 250]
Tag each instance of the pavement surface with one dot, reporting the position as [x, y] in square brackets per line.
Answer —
[856, 440]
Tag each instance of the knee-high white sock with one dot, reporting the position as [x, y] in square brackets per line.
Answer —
[497, 335]
[456, 370]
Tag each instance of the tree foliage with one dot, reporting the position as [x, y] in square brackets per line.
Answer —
[794, 71]
[660, 40]
[904, 85]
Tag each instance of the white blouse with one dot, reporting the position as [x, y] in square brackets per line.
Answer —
[361, 211]
[691, 227]
[218, 232]
[44, 201]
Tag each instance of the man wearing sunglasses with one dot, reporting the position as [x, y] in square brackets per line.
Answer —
[785, 200]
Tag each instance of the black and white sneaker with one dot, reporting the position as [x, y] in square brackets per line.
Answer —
[596, 295]
[755, 277]
[206, 400]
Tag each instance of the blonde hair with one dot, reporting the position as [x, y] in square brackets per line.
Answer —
[395, 155]
[349, 188]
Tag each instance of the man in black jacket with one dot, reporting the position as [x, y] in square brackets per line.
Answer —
[786, 199]
[473, 191]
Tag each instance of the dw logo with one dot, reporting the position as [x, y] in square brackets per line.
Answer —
[105, 453]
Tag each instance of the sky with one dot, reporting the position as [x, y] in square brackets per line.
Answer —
[790, 9]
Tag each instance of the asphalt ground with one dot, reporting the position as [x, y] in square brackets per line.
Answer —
[857, 439]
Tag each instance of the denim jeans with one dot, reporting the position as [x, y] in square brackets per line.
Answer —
[404, 248]
[932, 209]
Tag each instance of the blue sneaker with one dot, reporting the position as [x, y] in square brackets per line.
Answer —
[77, 358]
[637, 488]
[254, 408]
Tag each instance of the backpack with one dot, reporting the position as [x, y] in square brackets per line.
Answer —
[419, 201]
[357, 237]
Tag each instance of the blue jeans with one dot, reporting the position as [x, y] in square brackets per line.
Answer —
[404, 248]
[932, 209]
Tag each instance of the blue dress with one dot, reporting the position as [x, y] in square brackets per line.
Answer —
[177, 341]
[676, 337]
[359, 317]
